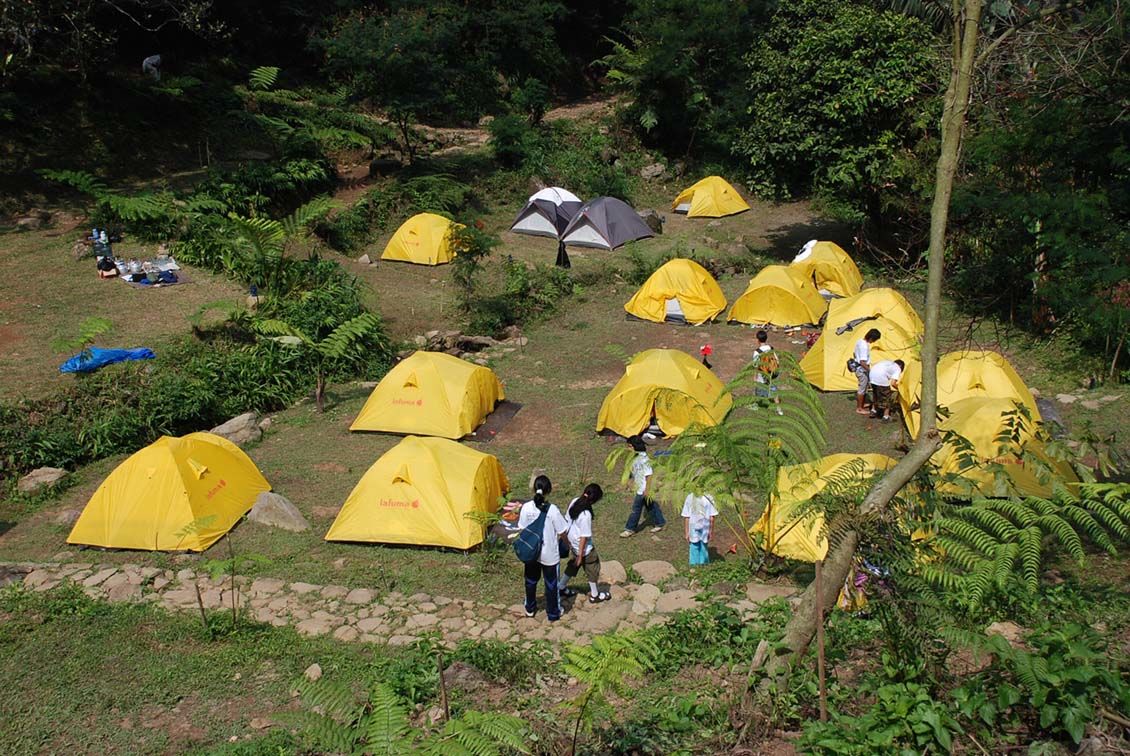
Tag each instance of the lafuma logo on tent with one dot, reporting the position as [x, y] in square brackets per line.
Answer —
[400, 504]
[409, 402]
[216, 489]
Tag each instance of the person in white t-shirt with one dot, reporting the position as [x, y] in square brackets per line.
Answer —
[549, 562]
[641, 476]
[884, 379]
[698, 518]
[861, 358]
[582, 550]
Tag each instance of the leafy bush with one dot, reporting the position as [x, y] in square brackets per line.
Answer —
[499, 660]
[510, 139]
[527, 294]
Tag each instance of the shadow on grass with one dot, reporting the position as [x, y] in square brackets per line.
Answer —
[786, 241]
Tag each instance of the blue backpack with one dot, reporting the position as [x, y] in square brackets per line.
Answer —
[527, 546]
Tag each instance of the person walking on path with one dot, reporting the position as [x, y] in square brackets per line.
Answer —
[641, 476]
[861, 358]
[884, 379]
[546, 566]
[768, 366]
[582, 550]
[698, 518]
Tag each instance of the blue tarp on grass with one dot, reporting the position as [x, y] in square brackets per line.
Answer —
[94, 358]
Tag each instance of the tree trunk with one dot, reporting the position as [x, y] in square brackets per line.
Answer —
[966, 19]
[320, 392]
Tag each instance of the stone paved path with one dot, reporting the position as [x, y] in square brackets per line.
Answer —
[356, 614]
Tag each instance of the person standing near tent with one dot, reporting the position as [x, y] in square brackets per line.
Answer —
[547, 565]
[151, 67]
[861, 359]
[768, 366]
[884, 379]
[698, 524]
[641, 475]
[582, 551]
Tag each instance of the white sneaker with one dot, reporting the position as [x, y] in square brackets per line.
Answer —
[658, 528]
[627, 534]
[780, 411]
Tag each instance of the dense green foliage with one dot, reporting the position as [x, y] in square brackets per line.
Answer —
[838, 98]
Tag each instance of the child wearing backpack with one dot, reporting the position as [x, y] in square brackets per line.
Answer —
[582, 551]
[541, 551]
[768, 369]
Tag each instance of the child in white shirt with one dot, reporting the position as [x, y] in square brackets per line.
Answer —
[582, 551]
[698, 515]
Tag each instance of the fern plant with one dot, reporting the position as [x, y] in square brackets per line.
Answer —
[341, 343]
[88, 331]
[334, 721]
[263, 77]
[605, 666]
[263, 243]
[736, 461]
[150, 215]
[996, 545]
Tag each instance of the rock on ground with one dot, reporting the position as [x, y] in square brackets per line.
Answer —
[40, 478]
[276, 511]
[653, 220]
[241, 429]
[612, 572]
[654, 570]
[645, 599]
[653, 171]
[758, 592]
[313, 673]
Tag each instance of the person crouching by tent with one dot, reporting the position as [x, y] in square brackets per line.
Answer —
[698, 519]
[884, 378]
[546, 566]
[641, 475]
[582, 551]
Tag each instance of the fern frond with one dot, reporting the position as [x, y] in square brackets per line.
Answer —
[1108, 516]
[342, 339]
[273, 327]
[969, 533]
[303, 217]
[81, 180]
[385, 726]
[1014, 509]
[266, 236]
[324, 733]
[331, 698]
[979, 581]
[1082, 520]
[1031, 548]
[263, 77]
[992, 522]
[1003, 562]
[502, 729]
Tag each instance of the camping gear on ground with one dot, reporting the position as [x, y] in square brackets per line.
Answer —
[831, 269]
[960, 376]
[431, 394]
[547, 213]
[418, 493]
[605, 223]
[790, 534]
[779, 296]
[680, 291]
[424, 239]
[527, 546]
[712, 197]
[177, 494]
[89, 360]
[989, 465]
[825, 364]
[669, 385]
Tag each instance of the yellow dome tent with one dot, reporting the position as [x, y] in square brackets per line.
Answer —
[679, 291]
[422, 239]
[960, 376]
[796, 537]
[175, 494]
[418, 493]
[431, 394]
[991, 466]
[777, 296]
[829, 267]
[825, 364]
[712, 197]
[672, 385]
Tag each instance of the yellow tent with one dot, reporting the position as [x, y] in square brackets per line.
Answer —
[431, 394]
[422, 239]
[712, 197]
[777, 296]
[962, 375]
[175, 494]
[671, 385]
[680, 290]
[991, 466]
[795, 537]
[418, 492]
[830, 267]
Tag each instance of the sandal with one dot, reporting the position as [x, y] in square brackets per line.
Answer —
[568, 592]
[602, 596]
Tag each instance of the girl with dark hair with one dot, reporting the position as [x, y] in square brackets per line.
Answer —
[582, 551]
[549, 562]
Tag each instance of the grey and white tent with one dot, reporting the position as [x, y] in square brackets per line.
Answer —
[547, 213]
[605, 223]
